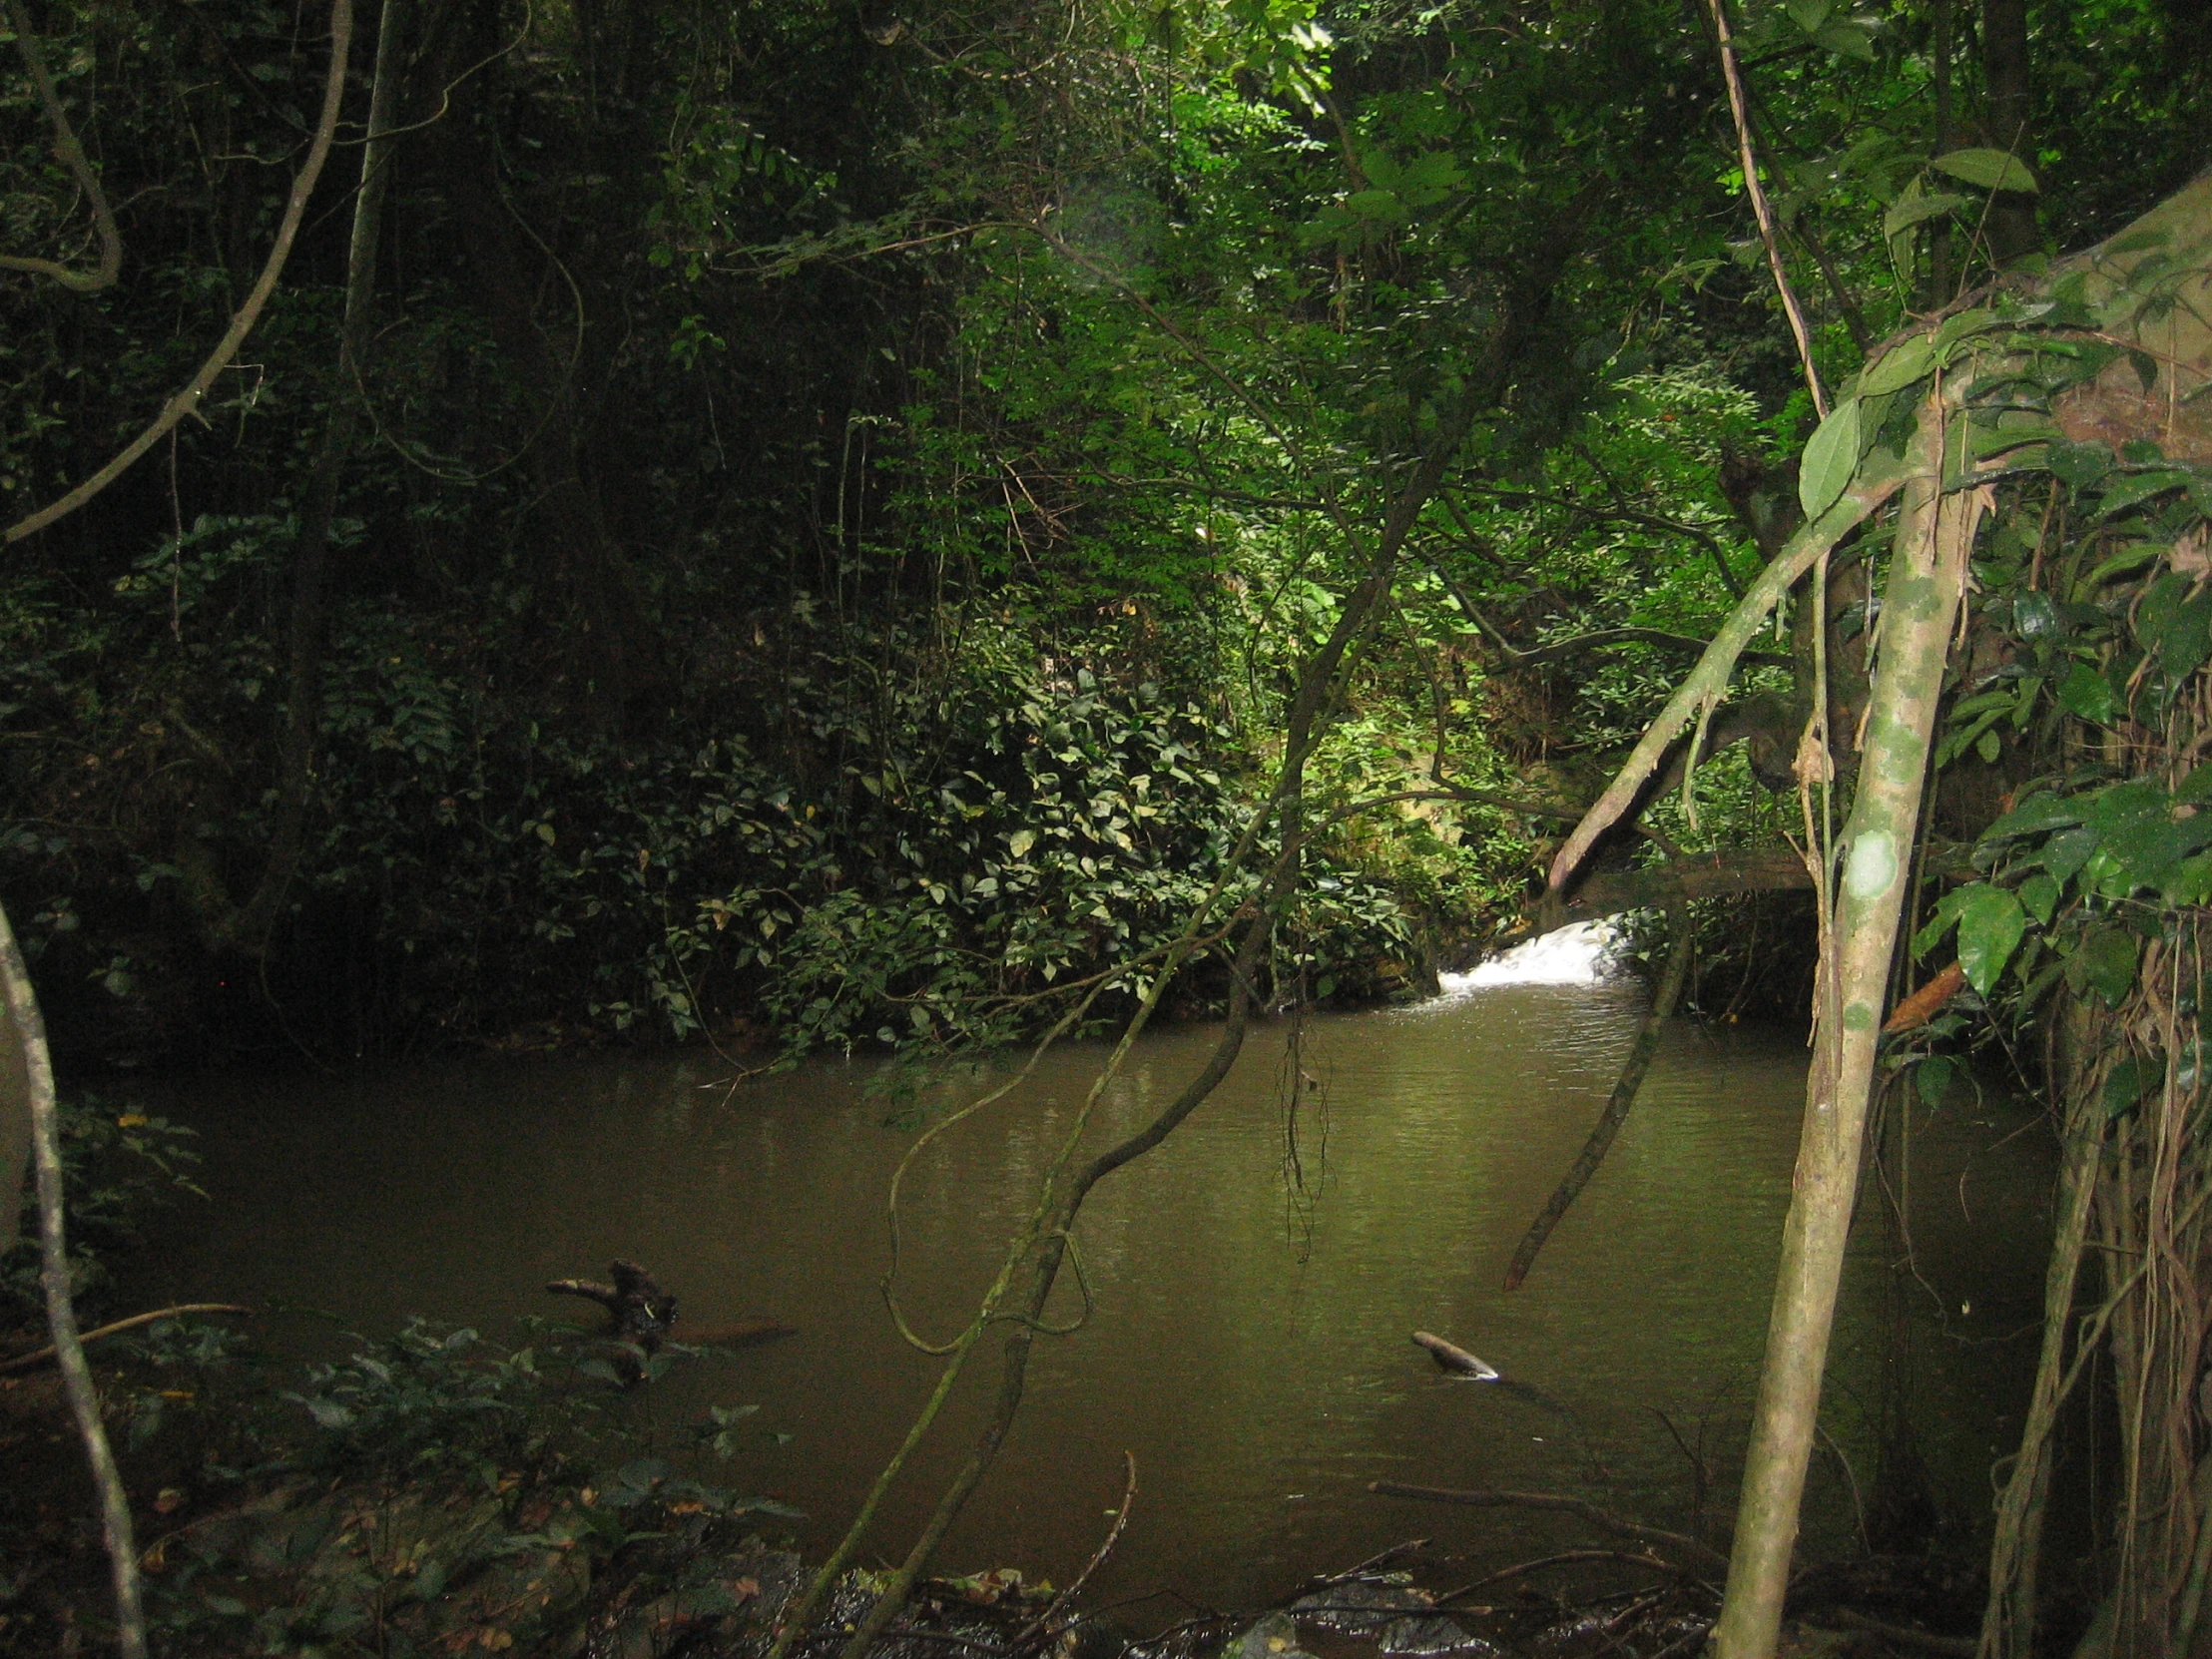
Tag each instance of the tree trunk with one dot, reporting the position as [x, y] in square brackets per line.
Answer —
[1926, 575]
[248, 926]
[586, 584]
[2012, 231]
[29, 1029]
[15, 1131]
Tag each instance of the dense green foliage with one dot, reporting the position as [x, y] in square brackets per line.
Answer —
[843, 502]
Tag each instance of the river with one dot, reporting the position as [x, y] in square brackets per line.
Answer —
[1249, 1340]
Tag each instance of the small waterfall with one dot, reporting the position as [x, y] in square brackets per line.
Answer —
[1580, 955]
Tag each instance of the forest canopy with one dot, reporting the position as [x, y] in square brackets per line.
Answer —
[804, 522]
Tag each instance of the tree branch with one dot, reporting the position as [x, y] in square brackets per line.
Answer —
[73, 156]
[1617, 1104]
[1722, 876]
[187, 401]
[1620, 1527]
[1877, 480]
[38, 1357]
[1764, 209]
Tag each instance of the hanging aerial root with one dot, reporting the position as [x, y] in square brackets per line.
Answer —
[1617, 1106]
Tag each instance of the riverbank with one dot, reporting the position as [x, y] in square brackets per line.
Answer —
[387, 1526]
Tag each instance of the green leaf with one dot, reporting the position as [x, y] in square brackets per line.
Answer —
[1831, 457]
[2079, 464]
[2064, 854]
[2186, 640]
[1849, 37]
[1899, 366]
[2087, 693]
[1375, 204]
[2040, 897]
[2130, 1080]
[2138, 487]
[1990, 168]
[2003, 439]
[1931, 1078]
[1990, 922]
[2038, 812]
[1908, 211]
[1963, 325]
[2105, 963]
[2188, 883]
[1809, 15]
[1020, 842]
[2034, 617]
[2130, 558]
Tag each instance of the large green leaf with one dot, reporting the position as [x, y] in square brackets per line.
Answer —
[2138, 487]
[1908, 211]
[2105, 963]
[2130, 1080]
[2033, 816]
[1990, 168]
[2081, 463]
[1852, 37]
[2065, 854]
[1831, 457]
[1990, 922]
[2087, 693]
[1899, 366]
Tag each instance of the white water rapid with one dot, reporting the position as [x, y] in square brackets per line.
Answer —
[1577, 955]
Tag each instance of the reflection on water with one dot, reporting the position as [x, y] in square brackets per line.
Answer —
[1247, 1344]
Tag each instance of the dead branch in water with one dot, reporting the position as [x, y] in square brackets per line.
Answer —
[1566, 1557]
[741, 1334]
[1066, 1598]
[1621, 1526]
[1904, 1635]
[1452, 1357]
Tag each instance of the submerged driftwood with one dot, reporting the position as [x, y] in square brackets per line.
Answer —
[640, 1317]
[1454, 1359]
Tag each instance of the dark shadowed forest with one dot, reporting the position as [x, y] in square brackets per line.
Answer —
[916, 537]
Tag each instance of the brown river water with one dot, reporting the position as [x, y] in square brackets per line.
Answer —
[1249, 1344]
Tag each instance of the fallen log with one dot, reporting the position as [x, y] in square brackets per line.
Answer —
[1689, 1550]
[638, 1309]
[639, 1315]
[1722, 876]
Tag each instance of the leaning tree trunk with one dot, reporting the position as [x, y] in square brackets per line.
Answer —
[29, 1034]
[1926, 578]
